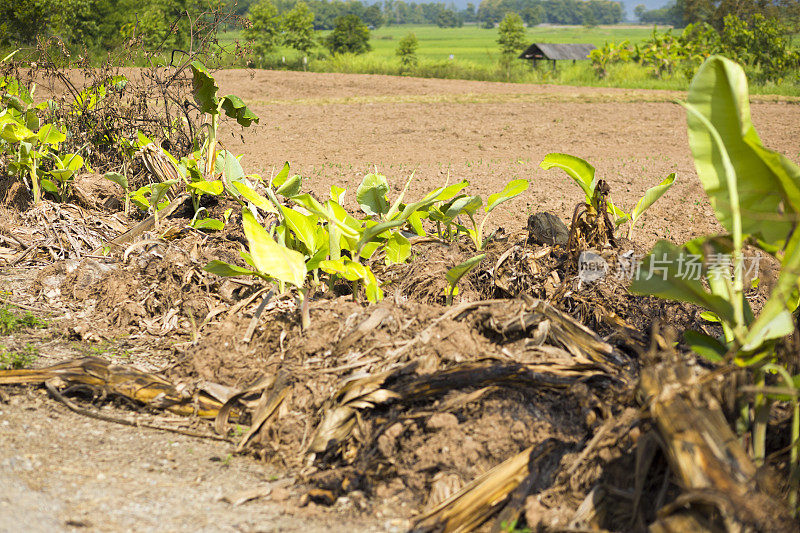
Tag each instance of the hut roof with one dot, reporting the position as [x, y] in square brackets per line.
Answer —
[557, 51]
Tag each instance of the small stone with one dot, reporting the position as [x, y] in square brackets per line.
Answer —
[546, 228]
[442, 421]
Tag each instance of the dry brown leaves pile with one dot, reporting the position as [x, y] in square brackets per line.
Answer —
[518, 403]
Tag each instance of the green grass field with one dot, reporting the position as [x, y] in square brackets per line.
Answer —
[474, 44]
[476, 53]
[478, 45]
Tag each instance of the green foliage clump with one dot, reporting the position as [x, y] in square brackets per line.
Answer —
[349, 35]
[13, 360]
[447, 18]
[511, 38]
[11, 321]
[759, 43]
[407, 50]
[24, 19]
[103, 24]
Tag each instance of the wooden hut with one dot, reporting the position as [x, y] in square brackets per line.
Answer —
[555, 52]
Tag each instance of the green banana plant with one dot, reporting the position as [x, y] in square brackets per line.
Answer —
[584, 176]
[747, 185]
[204, 91]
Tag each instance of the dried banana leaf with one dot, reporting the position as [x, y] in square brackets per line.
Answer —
[102, 377]
[703, 451]
[489, 493]
[400, 386]
[339, 416]
[561, 330]
[147, 224]
[266, 409]
[483, 373]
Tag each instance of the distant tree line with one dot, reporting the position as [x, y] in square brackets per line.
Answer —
[590, 12]
[487, 12]
[109, 24]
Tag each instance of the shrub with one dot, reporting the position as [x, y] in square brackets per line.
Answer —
[407, 50]
[349, 35]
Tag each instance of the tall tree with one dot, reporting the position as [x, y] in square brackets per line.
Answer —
[349, 35]
[265, 27]
[298, 27]
[511, 35]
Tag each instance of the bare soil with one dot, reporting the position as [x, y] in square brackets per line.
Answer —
[62, 471]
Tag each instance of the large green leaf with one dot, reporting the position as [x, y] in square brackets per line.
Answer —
[232, 170]
[775, 319]
[455, 274]
[253, 197]
[158, 191]
[236, 109]
[321, 255]
[663, 274]
[467, 205]
[271, 258]
[337, 194]
[221, 268]
[369, 249]
[66, 166]
[371, 195]
[312, 205]
[48, 186]
[281, 177]
[415, 221]
[49, 134]
[211, 224]
[447, 192]
[718, 93]
[705, 345]
[578, 169]
[214, 187]
[398, 249]
[352, 271]
[204, 88]
[291, 186]
[345, 268]
[12, 131]
[117, 178]
[512, 189]
[304, 227]
[652, 194]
